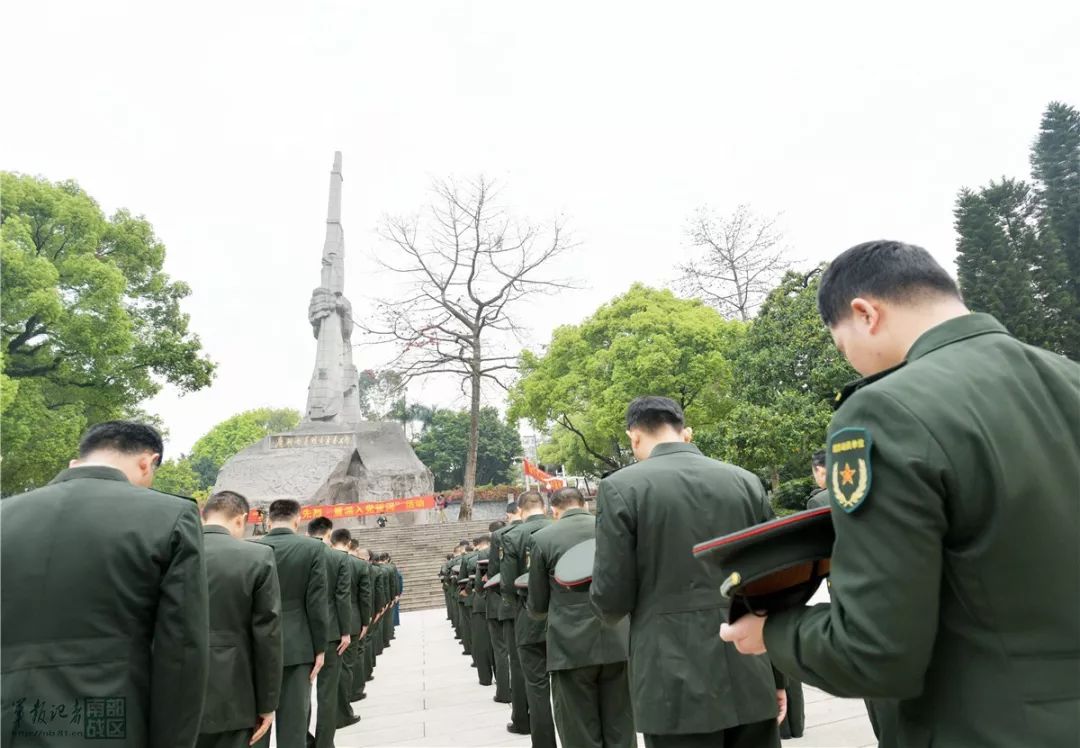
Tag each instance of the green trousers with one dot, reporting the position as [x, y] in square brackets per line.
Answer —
[795, 721]
[326, 716]
[483, 655]
[464, 617]
[884, 718]
[519, 701]
[754, 735]
[229, 739]
[350, 667]
[368, 655]
[388, 626]
[502, 660]
[538, 692]
[357, 669]
[592, 706]
[294, 709]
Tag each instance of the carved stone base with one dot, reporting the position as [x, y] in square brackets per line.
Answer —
[323, 463]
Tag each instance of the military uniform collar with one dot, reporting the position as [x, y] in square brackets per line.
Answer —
[214, 529]
[953, 331]
[575, 510]
[99, 472]
[534, 517]
[852, 387]
[948, 332]
[670, 448]
[281, 531]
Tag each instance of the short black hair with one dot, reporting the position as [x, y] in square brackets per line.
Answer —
[485, 538]
[512, 507]
[125, 437]
[568, 495]
[818, 460]
[881, 269]
[650, 412]
[283, 509]
[354, 545]
[496, 525]
[530, 500]
[340, 537]
[319, 526]
[228, 503]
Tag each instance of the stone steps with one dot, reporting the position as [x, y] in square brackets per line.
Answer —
[418, 552]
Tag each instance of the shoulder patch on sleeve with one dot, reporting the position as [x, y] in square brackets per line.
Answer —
[847, 461]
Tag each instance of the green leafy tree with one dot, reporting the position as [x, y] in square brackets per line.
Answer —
[178, 477]
[91, 326]
[1018, 245]
[786, 374]
[380, 392]
[646, 341]
[444, 445]
[234, 434]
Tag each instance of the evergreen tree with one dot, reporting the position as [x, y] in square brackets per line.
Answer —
[1018, 251]
[1055, 166]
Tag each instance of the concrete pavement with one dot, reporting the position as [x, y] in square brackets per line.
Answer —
[425, 694]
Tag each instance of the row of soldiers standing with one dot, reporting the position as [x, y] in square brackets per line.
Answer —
[361, 590]
[540, 644]
[167, 628]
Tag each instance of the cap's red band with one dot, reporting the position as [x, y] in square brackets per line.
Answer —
[750, 532]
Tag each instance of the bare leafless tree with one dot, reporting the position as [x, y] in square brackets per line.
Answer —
[466, 266]
[742, 257]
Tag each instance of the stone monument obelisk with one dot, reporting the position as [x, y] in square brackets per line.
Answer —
[333, 456]
[333, 395]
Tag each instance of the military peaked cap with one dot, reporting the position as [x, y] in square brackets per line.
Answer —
[775, 565]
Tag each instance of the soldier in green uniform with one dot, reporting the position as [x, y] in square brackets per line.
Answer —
[339, 618]
[373, 646]
[361, 616]
[483, 656]
[519, 704]
[395, 597]
[530, 635]
[586, 658]
[302, 580]
[104, 597]
[367, 608]
[820, 497]
[462, 613]
[492, 605]
[795, 721]
[952, 473]
[245, 628]
[688, 688]
[365, 602]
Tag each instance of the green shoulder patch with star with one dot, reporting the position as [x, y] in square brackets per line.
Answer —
[847, 461]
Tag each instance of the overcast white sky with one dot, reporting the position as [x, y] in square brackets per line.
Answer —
[218, 122]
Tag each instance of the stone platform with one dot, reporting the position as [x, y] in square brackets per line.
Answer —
[425, 694]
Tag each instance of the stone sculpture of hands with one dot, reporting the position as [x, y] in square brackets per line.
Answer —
[322, 305]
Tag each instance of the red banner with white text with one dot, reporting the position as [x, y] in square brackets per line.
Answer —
[550, 481]
[359, 509]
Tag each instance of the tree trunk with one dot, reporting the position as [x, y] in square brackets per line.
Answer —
[775, 478]
[469, 489]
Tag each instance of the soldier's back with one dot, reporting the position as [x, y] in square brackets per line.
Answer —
[683, 678]
[1000, 441]
[89, 564]
[301, 578]
[576, 636]
[240, 576]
